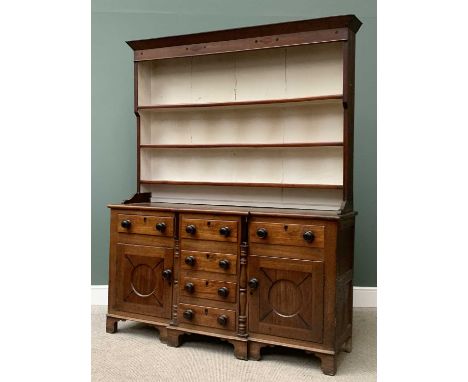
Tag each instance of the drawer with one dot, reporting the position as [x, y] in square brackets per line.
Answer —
[146, 225]
[287, 234]
[209, 262]
[206, 316]
[209, 289]
[209, 229]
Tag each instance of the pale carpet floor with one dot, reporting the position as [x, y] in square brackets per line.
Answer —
[135, 353]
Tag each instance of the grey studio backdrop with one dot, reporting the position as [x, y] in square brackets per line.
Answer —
[113, 144]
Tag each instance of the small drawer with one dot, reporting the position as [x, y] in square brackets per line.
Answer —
[209, 229]
[146, 225]
[206, 316]
[209, 262]
[287, 234]
[209, 289]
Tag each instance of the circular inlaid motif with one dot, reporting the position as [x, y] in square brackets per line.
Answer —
[285, 298]
[143, 281]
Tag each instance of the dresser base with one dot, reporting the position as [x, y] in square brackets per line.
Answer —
[348, 345]
[112, 322]
[327, 358]
[327, 363]
[244, 348]
[150, 271]
[175, 339]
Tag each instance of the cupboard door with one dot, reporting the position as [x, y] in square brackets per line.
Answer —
[143, 280]
[286, 298]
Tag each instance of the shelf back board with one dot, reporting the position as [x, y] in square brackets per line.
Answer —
[282, 73]
[277, 123]
[316, 165]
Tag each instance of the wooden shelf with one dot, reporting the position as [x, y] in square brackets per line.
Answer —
[242, 145]
[243, 184]
[241, 103]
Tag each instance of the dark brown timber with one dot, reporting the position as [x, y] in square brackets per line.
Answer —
[254, 276]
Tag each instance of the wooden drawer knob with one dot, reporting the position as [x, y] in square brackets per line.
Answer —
[223, 292]
[224, 264]
[190, 260]
[190, 288]
[262, 233]
[225, 231]
[309, 236]
[223, 320]
[126, 224]
[161, 227]
[188, 314]
[191, 229]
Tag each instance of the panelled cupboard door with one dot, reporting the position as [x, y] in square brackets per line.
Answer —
[286, 298]
[140, 285]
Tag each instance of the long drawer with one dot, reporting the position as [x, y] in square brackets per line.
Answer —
[146, 225]
[304, 235]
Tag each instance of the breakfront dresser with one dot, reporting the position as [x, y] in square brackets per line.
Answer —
[242, 226]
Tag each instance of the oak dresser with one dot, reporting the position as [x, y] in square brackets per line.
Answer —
[242, 226]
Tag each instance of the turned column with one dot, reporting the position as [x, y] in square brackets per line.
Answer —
[175, 284]
[242, 323]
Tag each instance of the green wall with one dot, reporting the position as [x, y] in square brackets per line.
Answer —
[113, 121]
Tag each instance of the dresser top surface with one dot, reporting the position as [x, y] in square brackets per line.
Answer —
[234, 210]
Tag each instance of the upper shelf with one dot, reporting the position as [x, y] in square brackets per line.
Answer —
[244, 184]
[240, 145]
[241, 103]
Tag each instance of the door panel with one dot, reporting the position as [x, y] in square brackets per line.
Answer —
[140, 285]
[288, 301]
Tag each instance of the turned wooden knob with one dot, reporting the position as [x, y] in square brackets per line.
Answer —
[309, 236]
[262, 233]
[161, 227]
[191, 229]
[126, 223]
[224, 264]
[188, 314]
[190, 260]
[225, 231]
[222, 320]
[223, 292]
[190, 288]
[253, 283]
[166, 274]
